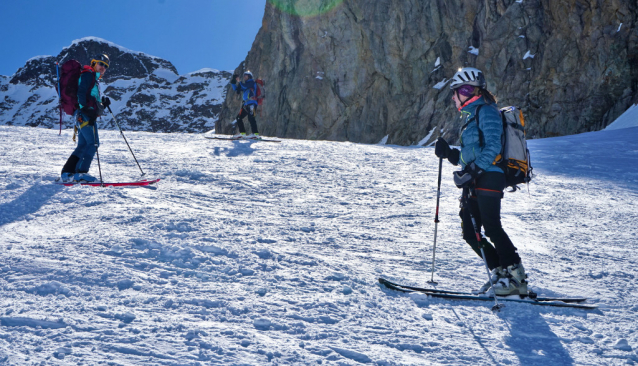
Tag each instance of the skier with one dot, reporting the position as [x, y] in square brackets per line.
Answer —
[482, 181]
[249, 104]
[91, 106]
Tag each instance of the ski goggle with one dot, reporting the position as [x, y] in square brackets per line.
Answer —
[106, 66]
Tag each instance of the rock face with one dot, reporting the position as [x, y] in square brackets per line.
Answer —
[146, 92]
[360, 70]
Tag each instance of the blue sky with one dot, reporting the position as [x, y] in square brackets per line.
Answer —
[192, 34]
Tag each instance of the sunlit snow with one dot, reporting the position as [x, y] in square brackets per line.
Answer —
[269, 253]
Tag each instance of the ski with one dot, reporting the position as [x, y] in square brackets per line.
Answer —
[456, 295]
[139, 183]
[239, 139]
[421, 289]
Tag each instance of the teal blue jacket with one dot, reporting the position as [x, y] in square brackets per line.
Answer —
[484, 145]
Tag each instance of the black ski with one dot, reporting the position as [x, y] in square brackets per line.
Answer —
[421, 289]
[549, 301]
[230, 138]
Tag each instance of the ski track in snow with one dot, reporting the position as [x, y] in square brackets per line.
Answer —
[255, 253]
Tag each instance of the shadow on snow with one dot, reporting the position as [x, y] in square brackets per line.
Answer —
[28, 202]
[239, 149]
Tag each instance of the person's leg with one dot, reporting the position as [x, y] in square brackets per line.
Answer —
[79, 150]
[469, 235]
[490, 208]
[71, 163]
[240, 121]
[489, 193]
[251, 118]
[87, 134]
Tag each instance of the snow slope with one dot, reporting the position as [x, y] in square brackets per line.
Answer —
[625, 120]
[261, 253]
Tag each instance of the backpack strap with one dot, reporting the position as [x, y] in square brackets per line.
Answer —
[499, 158]
[476, 118]
[478, 125]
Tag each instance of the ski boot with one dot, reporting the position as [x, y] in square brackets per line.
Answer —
[84, 178]
[239, 136]
[513, 283]
[495, 275]
[66, 177]
[254, 136]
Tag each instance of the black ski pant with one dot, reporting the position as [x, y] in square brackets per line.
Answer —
[247, 110]
[483, 202]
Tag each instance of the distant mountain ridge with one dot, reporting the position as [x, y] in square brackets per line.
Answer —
[147, 93]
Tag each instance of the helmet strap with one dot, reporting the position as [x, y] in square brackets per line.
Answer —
[458, 96]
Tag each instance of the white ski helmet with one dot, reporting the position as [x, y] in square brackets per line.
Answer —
[468, 76]
[248, 73]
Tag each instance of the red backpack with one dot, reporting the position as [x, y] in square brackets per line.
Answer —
[68, 86]
[260, 94]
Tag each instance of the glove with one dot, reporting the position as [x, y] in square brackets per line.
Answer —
[454, 156]
[234, 79]
[441, 148]
[467, 176]
[90, 113]
[106, 102]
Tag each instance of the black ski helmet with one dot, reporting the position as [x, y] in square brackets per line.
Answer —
[103, 58]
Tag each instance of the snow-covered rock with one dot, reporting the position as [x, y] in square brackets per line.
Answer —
[147, 93]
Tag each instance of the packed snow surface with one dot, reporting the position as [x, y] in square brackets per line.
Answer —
[257, 253]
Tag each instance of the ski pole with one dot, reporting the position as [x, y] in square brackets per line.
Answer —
[57, 70]
[466, 206]
[436, 220]
[129, 146]
[96, 144]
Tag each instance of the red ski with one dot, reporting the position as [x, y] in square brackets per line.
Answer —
[139, 183]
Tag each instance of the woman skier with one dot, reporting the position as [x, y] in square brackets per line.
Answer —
[483, 181]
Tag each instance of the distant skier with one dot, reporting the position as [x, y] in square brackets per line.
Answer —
[482, 181]
[91, 106]
[248, 89]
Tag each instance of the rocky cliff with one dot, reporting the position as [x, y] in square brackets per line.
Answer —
[147, 93]
[361, 70]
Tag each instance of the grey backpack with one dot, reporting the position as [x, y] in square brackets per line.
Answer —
[514, 157]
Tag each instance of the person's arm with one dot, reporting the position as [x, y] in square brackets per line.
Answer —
[250, 85]
[233, 82]
[84, 87]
